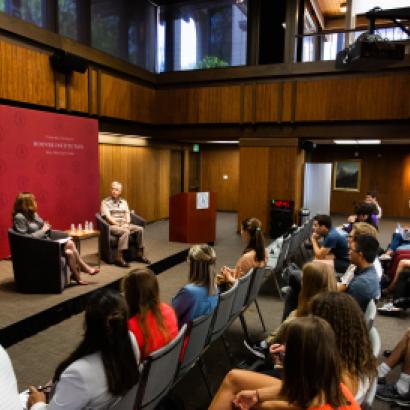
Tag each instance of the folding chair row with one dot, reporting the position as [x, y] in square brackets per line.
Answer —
[162, 369]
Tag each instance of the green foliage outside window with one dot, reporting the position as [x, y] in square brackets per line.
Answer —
[211, 62]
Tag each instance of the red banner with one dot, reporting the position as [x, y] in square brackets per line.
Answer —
[55, 157]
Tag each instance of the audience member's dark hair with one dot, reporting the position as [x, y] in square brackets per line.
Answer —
[323, 220]
[141, 292]
[256, 242]
[373, 194]
[106, 331]
[311, 366]
[368, 246]
[365, 208]
[352, 336]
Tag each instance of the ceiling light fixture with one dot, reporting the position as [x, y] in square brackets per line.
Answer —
[343, 7]
[357, 142]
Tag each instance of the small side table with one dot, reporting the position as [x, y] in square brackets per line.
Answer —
[81, 236]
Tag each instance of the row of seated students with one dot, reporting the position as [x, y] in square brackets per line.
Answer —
[121, 332]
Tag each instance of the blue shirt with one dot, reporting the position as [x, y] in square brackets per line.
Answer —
[193, 301]
[338, 245]
[364, 286]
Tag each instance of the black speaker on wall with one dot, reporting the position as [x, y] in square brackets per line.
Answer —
[66, 63]
[281, 216]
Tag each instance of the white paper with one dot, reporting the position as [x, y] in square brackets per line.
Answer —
[202, 200]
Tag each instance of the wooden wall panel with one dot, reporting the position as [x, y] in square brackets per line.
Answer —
[78, 92]
[61, 94]
[203, 105]
[285, 174]
[219, 104]
[288, 101]
[362, 97]
[94, 95]
[248, 103]
[144, 173]
[268, 102]
[215, 163]
[25, 75]
[125, 100]
[254, 184]
[385, 169]
[176, 106]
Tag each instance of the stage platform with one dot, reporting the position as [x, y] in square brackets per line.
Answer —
[23, 315]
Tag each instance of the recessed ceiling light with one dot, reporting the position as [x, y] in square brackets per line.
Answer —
[345, 142]
[357, 142]
[369, 142]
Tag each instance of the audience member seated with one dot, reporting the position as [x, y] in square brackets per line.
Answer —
[334, 248]
[364, 285]
[200, 295]
[359, 228]
[26, 221]
[401, 290]
[10, 399]
[312, 375]
[363, 212]
[316, 278]
[253, 256]
[403, 265]
[117, 213]
[399, 238]
[358, 363]
[153, 323]
[398, 392]
[371, 198]
[102, 368]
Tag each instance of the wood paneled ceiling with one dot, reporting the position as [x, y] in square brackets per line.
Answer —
[331, 8]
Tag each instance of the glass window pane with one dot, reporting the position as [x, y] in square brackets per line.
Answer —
[32, 11]
[2, 5]
[67, 18]
[202, 35]
[106, 25]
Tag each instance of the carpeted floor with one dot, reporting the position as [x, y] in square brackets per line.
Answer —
[35, 359]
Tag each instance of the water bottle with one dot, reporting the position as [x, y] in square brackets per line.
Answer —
[72, 228]
[91, 226]
[398, 229]
[86, 228]
[80, 228]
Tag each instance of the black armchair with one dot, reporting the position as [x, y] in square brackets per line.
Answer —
[39, 265]
[108, 243]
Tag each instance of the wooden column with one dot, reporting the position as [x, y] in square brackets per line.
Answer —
[269, 169]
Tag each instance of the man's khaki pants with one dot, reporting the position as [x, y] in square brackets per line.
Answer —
[124, 232]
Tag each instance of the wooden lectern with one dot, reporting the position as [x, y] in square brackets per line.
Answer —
[189, 224]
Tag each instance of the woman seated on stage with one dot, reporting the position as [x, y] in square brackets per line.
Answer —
[343, 313]
[26, 221]
[253, 256]
[153, 323]
[102, 368]
[312, 375]
[200, 295]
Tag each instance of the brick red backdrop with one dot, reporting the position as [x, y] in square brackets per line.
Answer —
[55, 157]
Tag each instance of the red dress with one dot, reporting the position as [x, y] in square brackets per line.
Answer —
[156, 338]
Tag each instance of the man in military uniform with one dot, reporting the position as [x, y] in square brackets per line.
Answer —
[116, 212]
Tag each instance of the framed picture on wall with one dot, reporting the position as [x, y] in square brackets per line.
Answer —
[347, 175]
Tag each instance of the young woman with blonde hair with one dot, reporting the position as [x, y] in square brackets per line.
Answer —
[200, 295]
